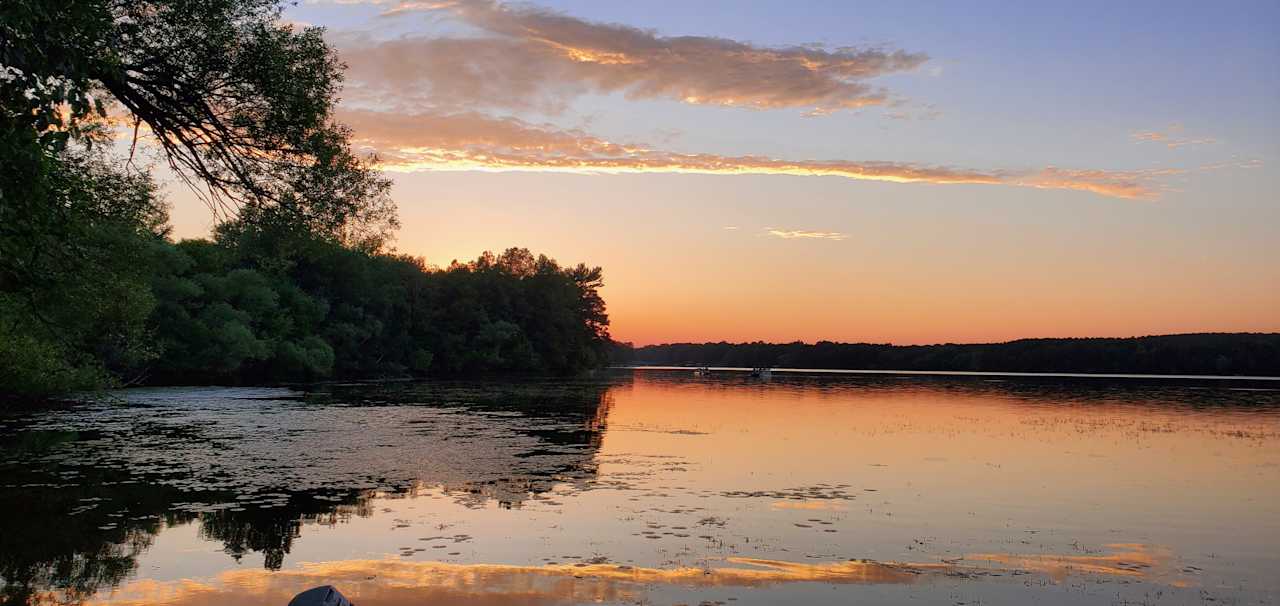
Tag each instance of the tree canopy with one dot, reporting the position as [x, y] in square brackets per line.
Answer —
[240, 102]
[295, 282]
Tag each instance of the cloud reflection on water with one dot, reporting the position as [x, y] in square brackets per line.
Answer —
[388, 582]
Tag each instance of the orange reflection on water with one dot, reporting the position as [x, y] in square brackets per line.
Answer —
[941, 450]
[741, 484]
[808, 505]
[400, 583]
[1135, 560]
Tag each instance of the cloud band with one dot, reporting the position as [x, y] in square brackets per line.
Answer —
[472, 141]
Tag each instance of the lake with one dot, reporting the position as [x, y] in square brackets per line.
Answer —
[651, 487]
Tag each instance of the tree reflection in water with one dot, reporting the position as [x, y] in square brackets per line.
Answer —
[87, 487]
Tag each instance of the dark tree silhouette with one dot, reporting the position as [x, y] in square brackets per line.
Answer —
[1209, 353]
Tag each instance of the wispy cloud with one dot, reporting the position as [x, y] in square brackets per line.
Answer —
[1172, 137]
[472, 141]
[1234, 163]
[789, 234]
[523, 57]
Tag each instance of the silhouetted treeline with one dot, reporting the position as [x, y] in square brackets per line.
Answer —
[236, 309]
[258, 305]
[296, 283]
[1207, 353]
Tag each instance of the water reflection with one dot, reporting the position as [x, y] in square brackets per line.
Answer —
[390, 583]
[86, 488]
[647, 487]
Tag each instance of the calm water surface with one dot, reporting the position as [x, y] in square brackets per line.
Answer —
[650, 487]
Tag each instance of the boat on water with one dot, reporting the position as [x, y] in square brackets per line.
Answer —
[702, 371]
[761, 372]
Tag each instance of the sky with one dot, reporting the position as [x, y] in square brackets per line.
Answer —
[905, 172]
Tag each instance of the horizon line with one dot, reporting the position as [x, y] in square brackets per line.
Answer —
[944, 343]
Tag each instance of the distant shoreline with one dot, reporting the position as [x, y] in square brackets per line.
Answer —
[1200, 355]
[957, 373]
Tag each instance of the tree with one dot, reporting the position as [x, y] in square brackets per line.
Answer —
[294, 284]
[241, 105]
[240, 102]
[74, 293]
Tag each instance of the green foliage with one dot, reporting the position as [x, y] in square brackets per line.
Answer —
[293, 285]
[228, 312]
[32, 364]
[74, 299]
[240, 101]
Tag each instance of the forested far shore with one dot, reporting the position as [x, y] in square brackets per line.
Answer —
[1256, 354]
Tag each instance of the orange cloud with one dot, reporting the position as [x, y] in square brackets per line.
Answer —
[1171, 138]
[472, 141]
[525, 57]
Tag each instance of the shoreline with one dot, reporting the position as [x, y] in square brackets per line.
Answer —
[960, 373]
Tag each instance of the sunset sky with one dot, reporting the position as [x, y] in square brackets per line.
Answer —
[903, 172]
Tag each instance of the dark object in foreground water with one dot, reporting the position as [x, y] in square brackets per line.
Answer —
[324, 595]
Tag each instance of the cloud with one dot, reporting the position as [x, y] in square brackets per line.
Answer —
[1171, 138]
[413, 142]
[524, 57]
[814, 235]
[1234, 163]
